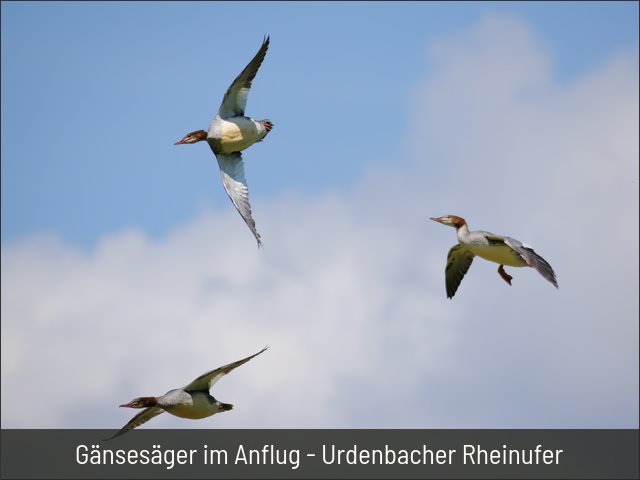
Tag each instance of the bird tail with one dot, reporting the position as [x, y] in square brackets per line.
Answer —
[267, 124]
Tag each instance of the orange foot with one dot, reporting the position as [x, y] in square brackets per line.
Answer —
[507, 278]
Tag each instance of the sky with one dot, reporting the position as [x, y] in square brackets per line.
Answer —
[127, 272]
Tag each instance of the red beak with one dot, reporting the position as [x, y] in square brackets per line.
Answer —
[180, 142]
[125, 405]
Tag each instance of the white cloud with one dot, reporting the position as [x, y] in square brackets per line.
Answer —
[349, 289]
[137, 315]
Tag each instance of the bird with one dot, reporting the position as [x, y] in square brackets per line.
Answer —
[230, 132]
[495, 248]
[193, 401]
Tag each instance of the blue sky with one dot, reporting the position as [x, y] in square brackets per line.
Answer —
[108, 89]
[122, 253]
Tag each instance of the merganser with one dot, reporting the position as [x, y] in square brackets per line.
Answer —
[495, 248]
[231, 132]
[192, 401]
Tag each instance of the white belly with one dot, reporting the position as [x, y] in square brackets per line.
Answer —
[502, 254]
[236, 134]
[198, 407]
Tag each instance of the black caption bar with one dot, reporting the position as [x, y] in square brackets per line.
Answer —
[249, 454]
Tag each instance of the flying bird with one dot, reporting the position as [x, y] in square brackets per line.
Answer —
[230, 132]
[495, 248]
[193, 401]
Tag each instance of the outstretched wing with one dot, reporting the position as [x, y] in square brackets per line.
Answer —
[533, 259]
[235, 100]
[458, 262]
[205, 381]
[144, 416]
[232, 171]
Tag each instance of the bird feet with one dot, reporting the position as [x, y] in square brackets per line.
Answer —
[505, 276]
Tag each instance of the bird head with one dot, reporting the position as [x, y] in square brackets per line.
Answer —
[141, 402]
[193, 137]
[450, 220]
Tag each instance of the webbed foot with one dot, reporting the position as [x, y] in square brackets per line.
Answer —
[505, 276]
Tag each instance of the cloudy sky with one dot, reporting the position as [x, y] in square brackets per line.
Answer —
[127, 272]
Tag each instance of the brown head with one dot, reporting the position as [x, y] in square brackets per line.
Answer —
[193, 137]
[223, 407]
[141, 402]
[451, 220]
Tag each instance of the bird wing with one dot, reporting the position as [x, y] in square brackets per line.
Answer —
[206, 380]
[492, 238]
[144, 416]
[458, 262]
[232, 171]
[534, 260]
[235, 99]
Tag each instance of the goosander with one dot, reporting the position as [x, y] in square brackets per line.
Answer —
[192, 401]
[495, 248]
[231, 132]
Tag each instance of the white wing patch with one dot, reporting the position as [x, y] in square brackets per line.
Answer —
[205, 381]
[235, 183]
[235, 99]
[534, 260]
